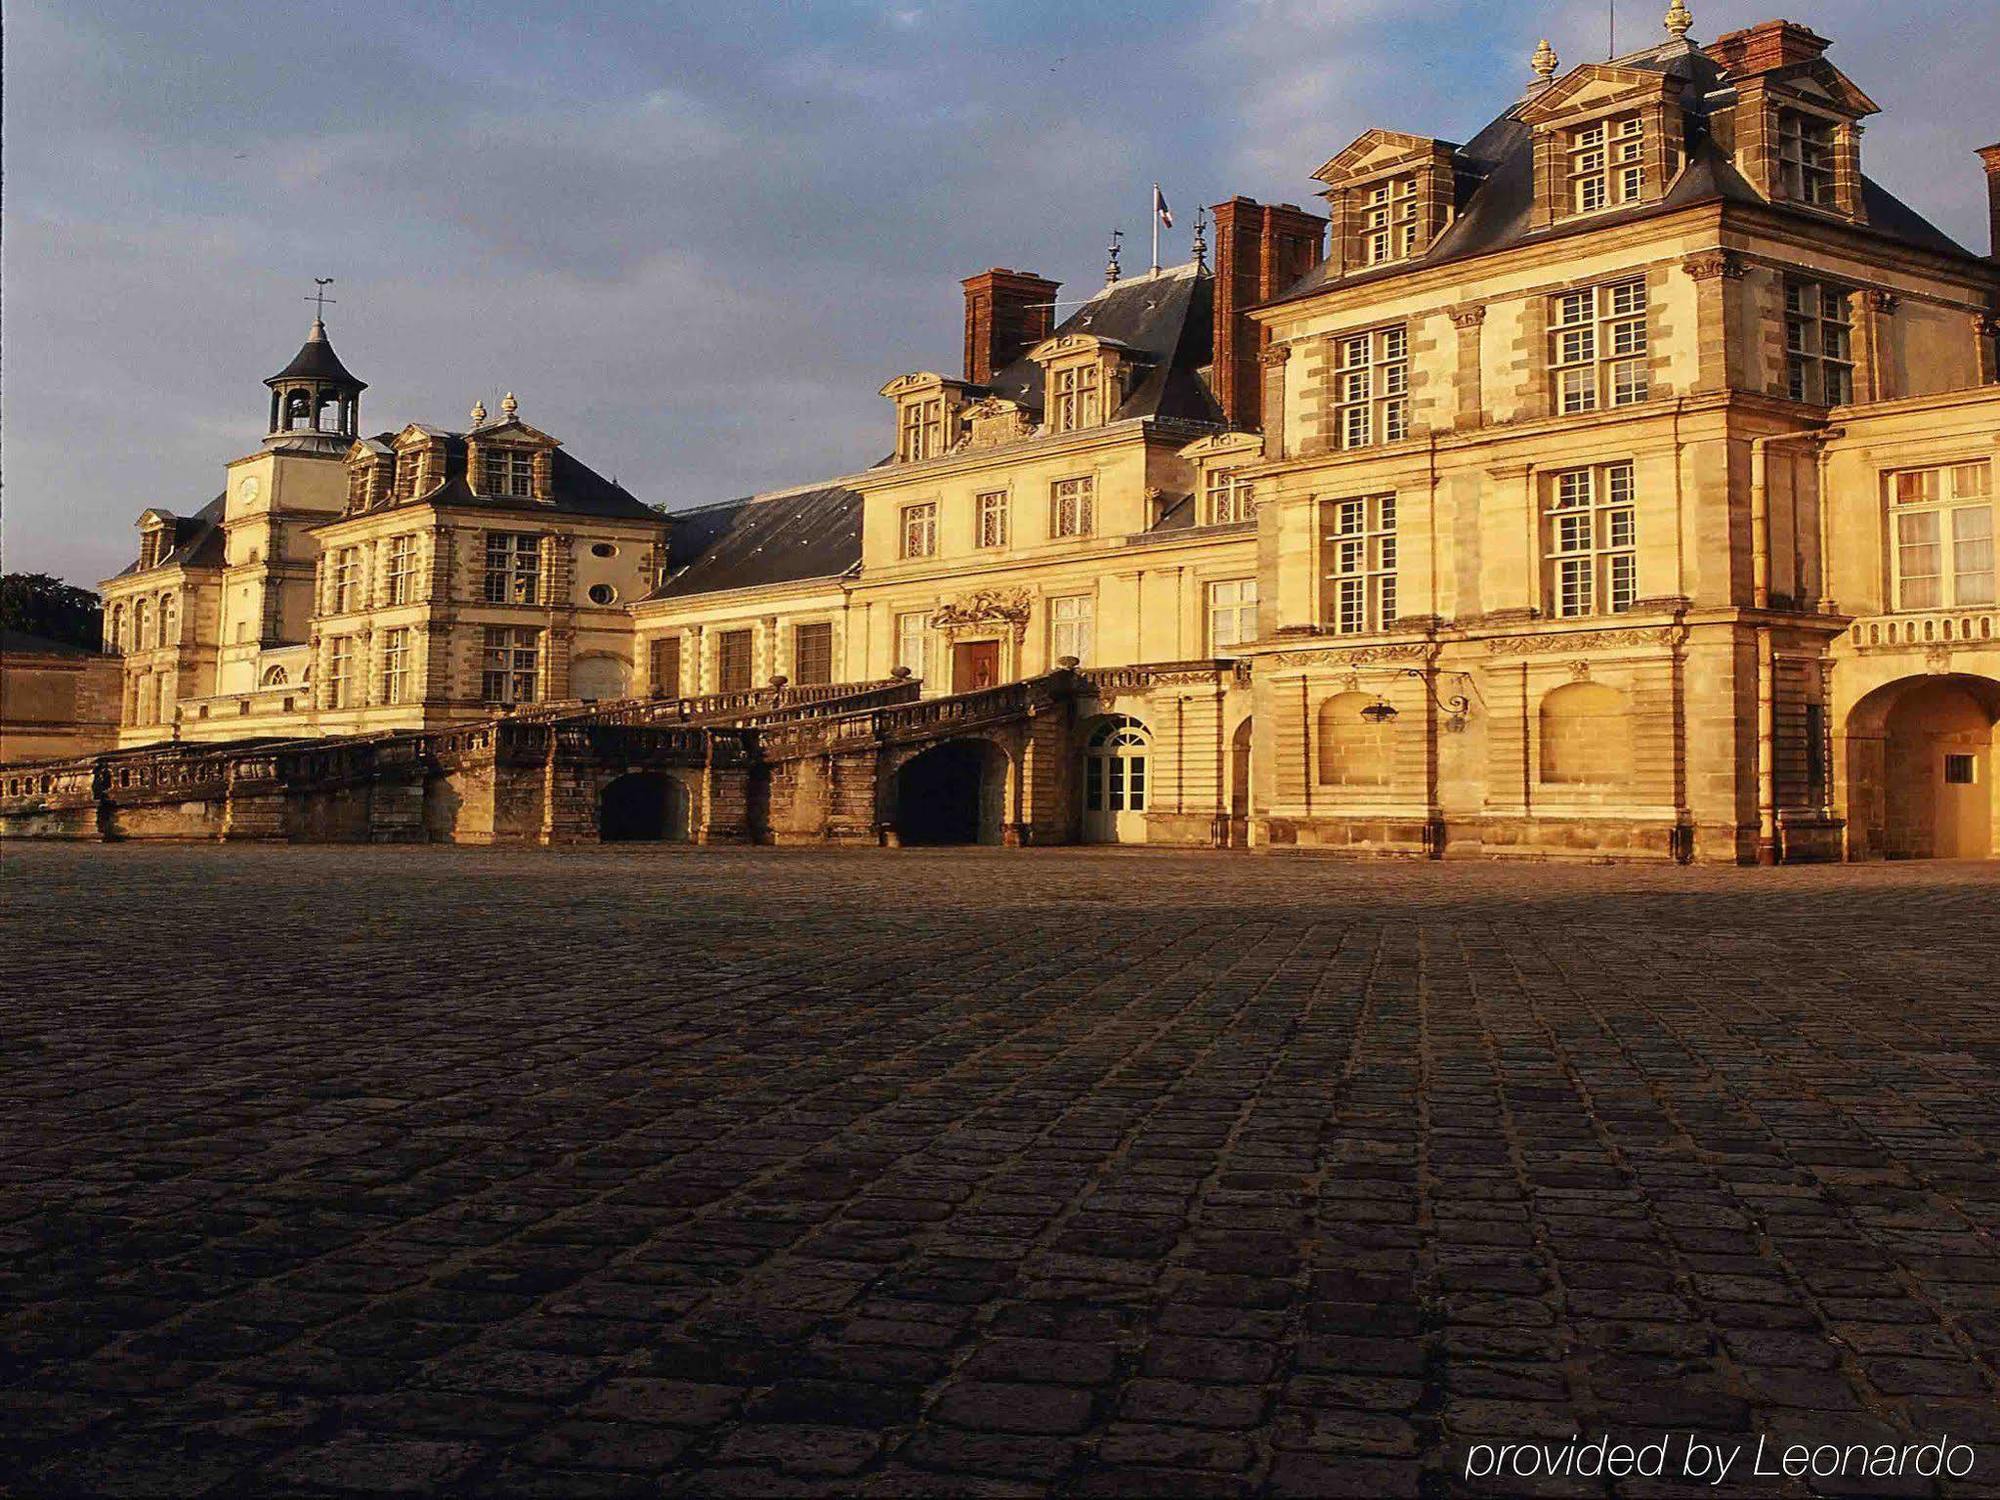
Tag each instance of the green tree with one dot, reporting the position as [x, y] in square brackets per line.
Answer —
[45, 606]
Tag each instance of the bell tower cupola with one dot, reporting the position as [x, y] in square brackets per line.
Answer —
[315, 403]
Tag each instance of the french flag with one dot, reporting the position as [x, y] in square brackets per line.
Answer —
[1160, 207]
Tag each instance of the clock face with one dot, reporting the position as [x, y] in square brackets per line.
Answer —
[247, 490]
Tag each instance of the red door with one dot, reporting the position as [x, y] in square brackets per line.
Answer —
[975, 665]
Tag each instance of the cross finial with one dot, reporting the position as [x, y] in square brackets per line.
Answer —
[1111, 262]
[1544, 62]
[1679, 19]
[319, 298]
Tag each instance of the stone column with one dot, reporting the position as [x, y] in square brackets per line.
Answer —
[1471, 409]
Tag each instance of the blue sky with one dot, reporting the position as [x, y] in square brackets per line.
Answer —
[695, 239]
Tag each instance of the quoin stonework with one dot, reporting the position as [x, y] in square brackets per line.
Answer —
[1617, 482]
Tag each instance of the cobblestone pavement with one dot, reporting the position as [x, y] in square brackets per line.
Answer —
[652, 1171]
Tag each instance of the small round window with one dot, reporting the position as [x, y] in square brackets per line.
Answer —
[603, 593]
[603, 549]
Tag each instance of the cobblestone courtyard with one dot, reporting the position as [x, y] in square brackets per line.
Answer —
[650, 1171]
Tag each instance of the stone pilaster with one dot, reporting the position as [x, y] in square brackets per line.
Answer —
[1471, 406]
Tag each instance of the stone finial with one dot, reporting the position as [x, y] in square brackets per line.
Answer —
[509, 407]
[1679, 19]
[1200, 245]
[478, 412]
[1544, 62]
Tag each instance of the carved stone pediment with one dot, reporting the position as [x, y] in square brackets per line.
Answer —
[984, 607]
[994, 420]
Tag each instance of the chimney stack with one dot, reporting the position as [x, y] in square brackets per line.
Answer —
[1765, 47]
[1007, 313]
[1991, 156]
[1260, 249]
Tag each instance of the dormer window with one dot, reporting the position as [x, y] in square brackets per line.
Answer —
[1805, 158]
[1391, 220]
[1076, 403]
[923, 430]
[507, 472]
[1607, 166]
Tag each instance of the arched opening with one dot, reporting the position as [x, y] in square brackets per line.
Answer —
[1920, 769]
[274, 677]
[643, 807]
[298, 411]
[1355, 750]
[1239, 786]
[1116, 784]
[598, 678]
[1586, 733]
[954, 793]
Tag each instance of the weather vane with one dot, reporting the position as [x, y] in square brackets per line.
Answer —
[319, 298]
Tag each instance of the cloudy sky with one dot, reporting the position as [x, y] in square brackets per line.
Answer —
[695, 238]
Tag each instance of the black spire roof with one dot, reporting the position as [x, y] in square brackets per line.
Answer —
[317, 361]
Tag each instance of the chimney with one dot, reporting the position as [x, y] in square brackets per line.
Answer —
[1991, 156]
[1007, 313]
[1764, 48]
[1260, 249]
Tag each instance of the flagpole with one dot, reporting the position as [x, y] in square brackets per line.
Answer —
[1156, 229]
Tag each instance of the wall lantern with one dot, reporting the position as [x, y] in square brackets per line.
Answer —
[1455, 709]
[1381, 711]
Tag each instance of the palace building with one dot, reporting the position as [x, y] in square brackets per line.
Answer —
[1616, 483]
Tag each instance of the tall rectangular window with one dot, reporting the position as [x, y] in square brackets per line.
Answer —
[923, 430]
[395, 665]
[1361, 563]
[510, 664]
[911, 631]
[667, 665]
[1819, 343]
[1232, 614]
[733, 661]
[812, 653]
[513, 568]
[340, 672]
[509, 472]
[1372, 387]
[920, 529]
[1072, 627]
[1598, 346]
[347, 580]
[1389, 220]
[1607, 164]
[1944, 536]
[1073, 507]
[401, 582]
[1076, 398]
[992, 518]
[1230, 497]
[1805, 158]
[1593, 541]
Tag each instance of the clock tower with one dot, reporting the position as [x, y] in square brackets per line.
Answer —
[295, 481]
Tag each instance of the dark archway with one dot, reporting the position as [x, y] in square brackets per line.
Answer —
[1920, 764]
[645, 806]
[952, 794]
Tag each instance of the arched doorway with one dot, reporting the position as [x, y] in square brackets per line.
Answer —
[954, 793]
[1239, 787]
[644, 806]
[1115, 781]
[1920, 769]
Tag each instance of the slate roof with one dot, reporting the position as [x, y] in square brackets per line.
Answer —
[757, 541]
[1496, 185]
[317, 361]
[578, 488]
[198, 541]
[1167, 318]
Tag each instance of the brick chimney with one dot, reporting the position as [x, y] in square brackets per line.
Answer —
[1260, 249]
[1006, 314]
[1991, 156]
[1765, 47]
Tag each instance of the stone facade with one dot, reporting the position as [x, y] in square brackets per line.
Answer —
[1618, 484]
